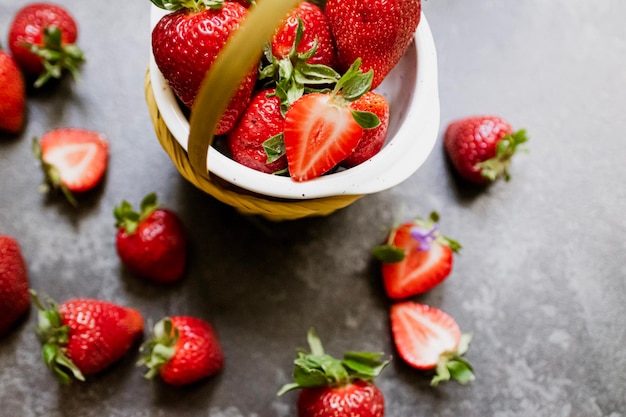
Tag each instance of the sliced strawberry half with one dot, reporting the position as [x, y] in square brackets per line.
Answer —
[73, 160]
[321, 129]
[416, 257]
[427, 338]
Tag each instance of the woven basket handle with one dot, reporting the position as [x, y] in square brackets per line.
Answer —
[241, 52]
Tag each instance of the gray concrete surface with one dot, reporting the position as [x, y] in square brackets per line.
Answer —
[540, 281]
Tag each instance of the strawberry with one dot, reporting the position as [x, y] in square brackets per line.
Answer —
[415, 258]
[82, 336]
[373, 139]
[186, 42]
[331, 387]
[152, 244]
[481, 147]
[428, 339]
[257, 139]
[315, 34]
[378, 31]
[12, 95]
[14, 298]
[321, 129]
[183, 350]
[42, 38]
[73, 160]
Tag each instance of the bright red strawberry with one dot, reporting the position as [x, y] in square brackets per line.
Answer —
[373, 139]
[332, 387]
[186, 42]
[73, 160]
[12, 95]
[322, 129]
[315, 33]
[257, 139]
[481, 147]
[378, 31]
[14, 298]
[152, 244]
[429, 339]
[415, 258]
[183, 350]
[42, 38]
[84, 336]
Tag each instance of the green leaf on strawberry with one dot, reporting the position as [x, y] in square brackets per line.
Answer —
[274, 148]
[318, 369]
[54, 336]
[196, 5]
[508, 146]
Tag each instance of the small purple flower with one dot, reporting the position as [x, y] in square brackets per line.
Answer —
[425, 237]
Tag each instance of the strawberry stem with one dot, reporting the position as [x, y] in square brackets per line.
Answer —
[158, 350]
[317, 369]
[54, 337]
[128, 219]
[194, 5]
[453, 366]
[52, 175]
[498, 166]
[56, 56]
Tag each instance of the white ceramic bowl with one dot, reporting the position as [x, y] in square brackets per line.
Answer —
[412, 91]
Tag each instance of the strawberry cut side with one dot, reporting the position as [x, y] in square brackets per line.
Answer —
[427, 338]
[318, 135]
[73, 160]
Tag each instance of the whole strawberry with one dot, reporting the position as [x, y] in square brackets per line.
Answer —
[373, 139]
[315, 33]
[428, 339]
[332, 387]
[151, 243]
[186, 42]
[73, 160]
[14, 298]
[416, 257]
[377, 31]
[81, 336]
[12, 95]
[182, 350]
[42, 38]
[257, 139]
[481, 147]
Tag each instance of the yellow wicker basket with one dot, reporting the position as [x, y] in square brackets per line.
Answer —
[219, 86]
[243, 200]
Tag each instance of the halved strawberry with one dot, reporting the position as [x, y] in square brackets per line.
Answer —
[321, 129]
[73, 160]
[416, 257]
[427, 338]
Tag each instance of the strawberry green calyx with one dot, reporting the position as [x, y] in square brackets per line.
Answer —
[424, 231]
[293, 76]
[317, 369]
[350, 87]
[498, 165]
[194, 5]
[157, 351]
[52, 175]
[56, 56]
[54, 337]
[129, 219]
[452, 366]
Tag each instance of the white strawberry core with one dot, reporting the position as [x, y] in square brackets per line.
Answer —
[72, 160]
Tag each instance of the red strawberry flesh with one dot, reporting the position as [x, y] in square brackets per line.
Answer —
[423, 333]
[318, 135]
[80, 156]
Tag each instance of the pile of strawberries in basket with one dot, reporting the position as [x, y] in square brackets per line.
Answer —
[308, 107]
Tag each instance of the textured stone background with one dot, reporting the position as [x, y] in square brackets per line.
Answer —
[540, 281]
